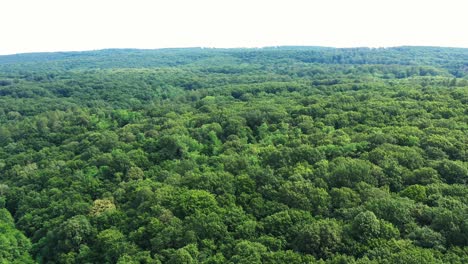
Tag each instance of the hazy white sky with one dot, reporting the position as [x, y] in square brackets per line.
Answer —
[63, 25]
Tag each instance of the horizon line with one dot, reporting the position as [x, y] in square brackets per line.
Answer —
[231, 48]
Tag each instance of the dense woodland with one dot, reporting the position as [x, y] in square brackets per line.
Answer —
[275, 155]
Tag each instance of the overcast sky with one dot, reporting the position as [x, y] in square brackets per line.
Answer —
[64, 25]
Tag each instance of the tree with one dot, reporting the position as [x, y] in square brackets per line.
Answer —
[453, 171]
[342, 198]
[192, 201]
[111, 245]
[427, 238]
[248, 252]
[366, 226]
[322, 238]
[282, 223]
[303, 195]
[397, 211]
[346, 172]
[15, 245]
[415, 192]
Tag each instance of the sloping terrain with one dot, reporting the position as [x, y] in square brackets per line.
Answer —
[274, 155]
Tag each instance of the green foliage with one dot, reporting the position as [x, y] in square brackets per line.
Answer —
[322, 238]
[274, 155]
[248, 252]
[111, 244]
[366, 226]
[347, 172]
[415, 192]
[14, 245]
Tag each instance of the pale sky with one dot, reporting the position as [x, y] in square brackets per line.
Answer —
[65, 25]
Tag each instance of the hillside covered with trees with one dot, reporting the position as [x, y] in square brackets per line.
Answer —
[273, 155]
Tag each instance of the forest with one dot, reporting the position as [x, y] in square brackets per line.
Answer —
[243, 156]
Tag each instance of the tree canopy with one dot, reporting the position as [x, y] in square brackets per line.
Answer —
[274, 155]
